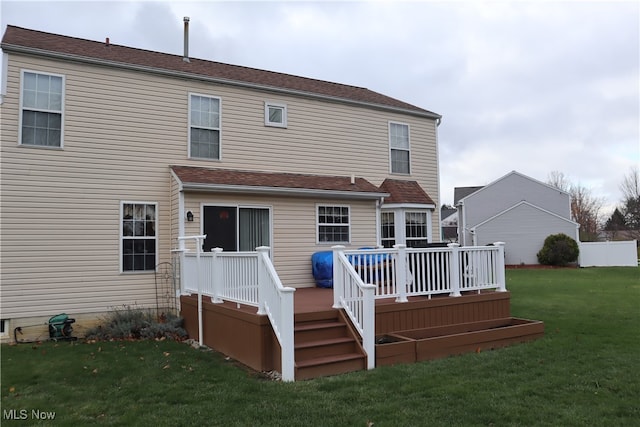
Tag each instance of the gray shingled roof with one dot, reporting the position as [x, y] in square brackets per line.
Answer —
[17, 39]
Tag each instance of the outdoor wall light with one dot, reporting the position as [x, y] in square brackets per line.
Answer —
[190, 216]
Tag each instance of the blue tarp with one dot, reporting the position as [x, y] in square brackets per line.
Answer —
[322, 268]
[322, 265]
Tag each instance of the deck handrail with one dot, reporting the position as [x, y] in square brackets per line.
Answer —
[401, 272]
[247, 278]
[357, 300]
[276, 301]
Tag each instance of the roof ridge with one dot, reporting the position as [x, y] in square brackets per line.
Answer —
[76, 48]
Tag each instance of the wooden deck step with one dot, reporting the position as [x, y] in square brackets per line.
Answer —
[330, 365]
[325, 346]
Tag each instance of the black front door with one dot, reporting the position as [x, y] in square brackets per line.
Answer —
[220, 228]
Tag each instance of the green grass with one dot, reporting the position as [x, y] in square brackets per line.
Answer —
[584, 372]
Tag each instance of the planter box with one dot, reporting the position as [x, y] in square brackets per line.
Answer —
[392, 349]
[443, 341]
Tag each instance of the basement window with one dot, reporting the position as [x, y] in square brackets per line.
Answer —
[4, 327]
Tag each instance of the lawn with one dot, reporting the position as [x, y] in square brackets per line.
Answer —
[584, 372]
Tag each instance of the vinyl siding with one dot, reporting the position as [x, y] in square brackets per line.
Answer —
[523, 229]
[506, 192]
[293, 221]
[122, 129]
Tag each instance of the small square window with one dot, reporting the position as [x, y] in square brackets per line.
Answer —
[275, 115]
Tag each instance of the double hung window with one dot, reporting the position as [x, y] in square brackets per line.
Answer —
[400, 152]
[416, 229]
[204, 127]
[333, 224]
[139, 237]
[41, 109]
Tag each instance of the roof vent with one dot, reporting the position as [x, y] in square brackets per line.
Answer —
[106, 42]
[185, 58]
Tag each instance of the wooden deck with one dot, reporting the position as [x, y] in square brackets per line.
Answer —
[420, 329]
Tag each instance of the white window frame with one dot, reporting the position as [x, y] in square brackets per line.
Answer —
[393, 148]
[123, 237]
[219, 128]
[319, 224]
[427, 219]
[40, 110]
[393, 227]
[267, 121]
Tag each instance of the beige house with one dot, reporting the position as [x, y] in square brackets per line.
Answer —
[110, 153]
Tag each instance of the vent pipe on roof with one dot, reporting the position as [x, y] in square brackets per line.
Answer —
[106, 42]
[185, 58]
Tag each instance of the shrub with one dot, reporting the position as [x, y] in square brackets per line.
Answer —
[558, 249]
[135, 323]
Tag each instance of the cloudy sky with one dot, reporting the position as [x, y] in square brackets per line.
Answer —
[529, 86]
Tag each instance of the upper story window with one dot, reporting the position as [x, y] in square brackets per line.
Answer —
[41, 107]
[139, 239]
[275, 115]
[399, 147]
[204, 127]
[333, 224]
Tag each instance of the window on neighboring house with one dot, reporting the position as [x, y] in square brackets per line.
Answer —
[333, 224]
[41, 109]
[399, 147]
[416, 229]
[204, 127]
[139, 237]
[388, 229]
[275, 115]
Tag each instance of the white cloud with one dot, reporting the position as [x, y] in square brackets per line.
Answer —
[527, 86]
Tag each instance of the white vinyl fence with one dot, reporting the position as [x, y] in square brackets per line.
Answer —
[608, 254]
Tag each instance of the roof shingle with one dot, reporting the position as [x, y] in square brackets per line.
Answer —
[235, 178]
[21, 39]
[402, 191]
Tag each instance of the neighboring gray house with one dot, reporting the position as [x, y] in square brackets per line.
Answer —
[449, 224]
[517, 210]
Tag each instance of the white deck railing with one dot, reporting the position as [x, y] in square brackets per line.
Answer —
[402, 272]
[357, 299]
[276, 301]
[359, 277]
[245, 278]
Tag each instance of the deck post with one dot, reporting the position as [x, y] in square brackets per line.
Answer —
[502, 283]
[454, 270]
[338, 285]
[217, 276]
[369, 324]
[262, 280]
[287, 332]
[402, 268]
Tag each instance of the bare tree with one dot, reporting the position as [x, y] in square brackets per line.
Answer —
[559, 180]
[630, 188]
[585, 207]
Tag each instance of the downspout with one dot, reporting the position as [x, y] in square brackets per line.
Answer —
[439, 212]
[3, 83]
[462, 238]
[379, 204]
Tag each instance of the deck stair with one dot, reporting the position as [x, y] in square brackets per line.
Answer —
[324, 345]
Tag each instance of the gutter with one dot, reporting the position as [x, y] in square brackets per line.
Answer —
[283, 191]
[185, 75]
